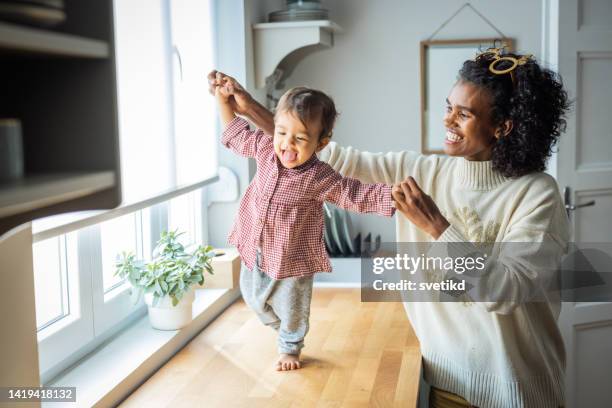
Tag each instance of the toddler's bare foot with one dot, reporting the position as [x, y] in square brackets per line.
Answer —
[288, 362]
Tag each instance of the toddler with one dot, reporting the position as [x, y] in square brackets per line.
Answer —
[279, 227]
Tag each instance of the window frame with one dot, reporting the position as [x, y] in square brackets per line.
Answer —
[76, 329]
[59, 341]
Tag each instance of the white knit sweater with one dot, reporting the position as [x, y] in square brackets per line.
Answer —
[493, 354]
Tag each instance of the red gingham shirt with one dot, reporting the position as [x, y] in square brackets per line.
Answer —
[282, 209]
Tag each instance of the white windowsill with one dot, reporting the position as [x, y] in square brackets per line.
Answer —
[112, 372]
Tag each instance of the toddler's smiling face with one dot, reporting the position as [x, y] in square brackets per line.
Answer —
[294, 141]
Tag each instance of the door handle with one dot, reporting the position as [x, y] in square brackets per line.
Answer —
[571, 207]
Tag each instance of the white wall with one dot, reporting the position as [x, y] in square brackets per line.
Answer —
[372, 71]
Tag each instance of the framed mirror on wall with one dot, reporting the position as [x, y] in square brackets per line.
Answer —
[440, 64]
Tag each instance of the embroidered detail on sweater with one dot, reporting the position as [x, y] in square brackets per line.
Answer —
[471, 225]
[468, 221]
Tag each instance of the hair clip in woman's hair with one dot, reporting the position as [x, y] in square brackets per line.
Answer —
[515, 63]
[498, 57]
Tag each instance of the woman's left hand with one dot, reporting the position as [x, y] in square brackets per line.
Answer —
[419, 208]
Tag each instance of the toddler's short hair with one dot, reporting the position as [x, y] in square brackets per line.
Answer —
[310, 105]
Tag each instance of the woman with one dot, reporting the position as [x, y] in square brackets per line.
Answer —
[503, 116]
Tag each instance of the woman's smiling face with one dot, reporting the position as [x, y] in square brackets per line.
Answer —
[470, 132]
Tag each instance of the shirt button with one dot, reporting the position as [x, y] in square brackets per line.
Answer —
[261, 221]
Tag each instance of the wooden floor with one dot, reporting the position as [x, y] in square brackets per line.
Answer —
[356, 354]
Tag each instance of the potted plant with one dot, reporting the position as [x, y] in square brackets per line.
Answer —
[167, 279]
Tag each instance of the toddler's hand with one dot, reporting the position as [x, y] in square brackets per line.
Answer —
[212, 82]
[223, 91]
[239, 99]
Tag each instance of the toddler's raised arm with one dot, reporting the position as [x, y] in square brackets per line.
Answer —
[240, 139]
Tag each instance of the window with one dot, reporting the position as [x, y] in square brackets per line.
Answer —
[50, 281]
[145, 97]
[118, 235]
[167, 127]
[63, 296]
[166, 116]
[195, 111]
[185, 215]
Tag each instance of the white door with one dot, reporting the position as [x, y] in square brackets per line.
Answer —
[584, 164]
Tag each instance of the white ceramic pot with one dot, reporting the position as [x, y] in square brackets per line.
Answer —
[164, 316]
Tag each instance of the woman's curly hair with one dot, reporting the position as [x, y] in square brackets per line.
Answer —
[533, 98]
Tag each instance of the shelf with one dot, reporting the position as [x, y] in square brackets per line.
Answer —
[36, 192]
[327, 24]
[273, 42]
[61, 85]
[36, 41]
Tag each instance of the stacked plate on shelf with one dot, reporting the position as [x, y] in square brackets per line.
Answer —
[42, 13]
[300, 10]
[298, 15]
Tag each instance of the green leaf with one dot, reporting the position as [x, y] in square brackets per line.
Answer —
[173, 269]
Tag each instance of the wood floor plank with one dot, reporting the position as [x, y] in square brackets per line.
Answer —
[362, 381]
[342, 371]
[356, 355]
[383, 393]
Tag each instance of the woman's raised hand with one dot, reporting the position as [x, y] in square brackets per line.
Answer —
[419, 208]
[239, 99]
